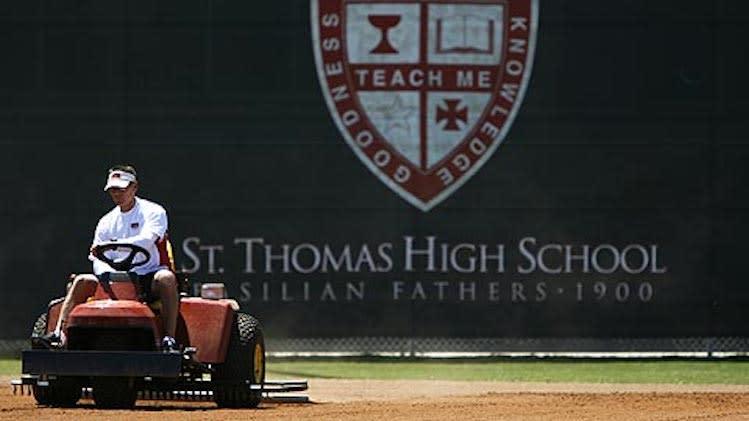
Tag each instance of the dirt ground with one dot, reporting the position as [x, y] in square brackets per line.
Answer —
[433, 400]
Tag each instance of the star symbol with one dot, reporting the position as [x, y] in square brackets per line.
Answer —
[396, 116]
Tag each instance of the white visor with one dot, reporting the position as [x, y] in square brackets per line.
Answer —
[119, 179]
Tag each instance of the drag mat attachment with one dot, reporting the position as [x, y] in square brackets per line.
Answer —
[20, 386]
[273, 391]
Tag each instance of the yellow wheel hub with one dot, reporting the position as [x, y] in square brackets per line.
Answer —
[259, 366]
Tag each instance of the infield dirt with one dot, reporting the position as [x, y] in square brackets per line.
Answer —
[433, 400]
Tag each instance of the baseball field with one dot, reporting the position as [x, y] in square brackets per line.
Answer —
[459, 390]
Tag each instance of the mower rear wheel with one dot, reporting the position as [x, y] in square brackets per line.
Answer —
[40, 326]
[61, 391]
[243, 366]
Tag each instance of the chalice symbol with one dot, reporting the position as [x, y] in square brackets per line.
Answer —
[384, 23]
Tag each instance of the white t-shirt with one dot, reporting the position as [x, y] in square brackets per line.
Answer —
[144, 225]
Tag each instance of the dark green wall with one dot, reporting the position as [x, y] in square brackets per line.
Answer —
[632, 132]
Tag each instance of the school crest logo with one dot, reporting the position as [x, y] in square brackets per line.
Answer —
[424, 91]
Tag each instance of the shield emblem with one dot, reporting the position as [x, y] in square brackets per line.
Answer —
[424, 91]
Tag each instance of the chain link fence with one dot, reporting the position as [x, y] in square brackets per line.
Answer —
[485, 347]
[698, 347]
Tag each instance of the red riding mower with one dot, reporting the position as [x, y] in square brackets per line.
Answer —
[113, 351]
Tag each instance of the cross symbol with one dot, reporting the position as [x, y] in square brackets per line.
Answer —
[452, 114]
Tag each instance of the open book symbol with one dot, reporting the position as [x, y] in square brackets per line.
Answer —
[465, 34]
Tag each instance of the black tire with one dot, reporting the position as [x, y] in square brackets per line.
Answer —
[243, 366]
[114, 392]
[62, 391]
[40, 327]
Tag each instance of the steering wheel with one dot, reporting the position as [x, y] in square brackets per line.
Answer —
[128, 262]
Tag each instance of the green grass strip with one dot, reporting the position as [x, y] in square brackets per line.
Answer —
[583, 371]
[587, 371]
[10, 367]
